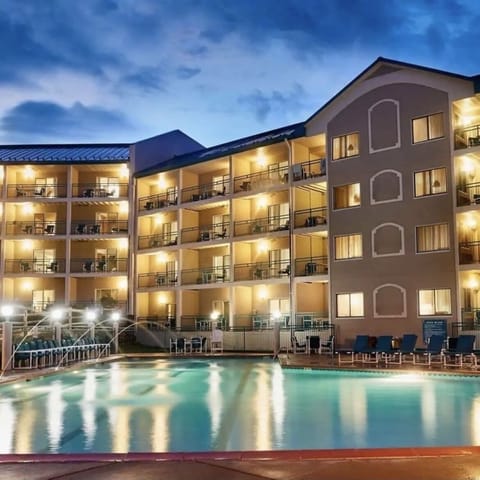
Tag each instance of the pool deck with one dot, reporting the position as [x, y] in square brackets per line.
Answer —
[452, 463]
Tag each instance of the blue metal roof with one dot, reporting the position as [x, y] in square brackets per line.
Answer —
[262, 139]
[88, 153]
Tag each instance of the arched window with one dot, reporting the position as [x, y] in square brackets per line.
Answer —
[389, 300]
[386, 186]
[388, 239]
[384, 125]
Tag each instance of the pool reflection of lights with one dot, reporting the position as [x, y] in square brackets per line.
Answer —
[405, 377]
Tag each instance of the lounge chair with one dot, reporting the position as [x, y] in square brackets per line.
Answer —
[360, 344]
[405, 352]
[462, 351]
[381, 350]
[299, 345]
[432, 354]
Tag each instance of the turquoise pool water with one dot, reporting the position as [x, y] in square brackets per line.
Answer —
[174, 405]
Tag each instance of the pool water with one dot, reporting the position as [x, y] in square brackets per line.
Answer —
[174, 405]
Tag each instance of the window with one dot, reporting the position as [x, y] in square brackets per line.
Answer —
[350, 304]
[345, 146]
[346, 196]
[427, 128]
[42, 299]
[434, 302]
[430, 182]
[348, 246]
[431, 238]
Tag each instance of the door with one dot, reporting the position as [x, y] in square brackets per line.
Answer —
[43, 260]
[41, 299]
[107, 187]
[106, 222]
[39, 223]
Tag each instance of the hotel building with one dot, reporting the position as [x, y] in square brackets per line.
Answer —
[365, 216]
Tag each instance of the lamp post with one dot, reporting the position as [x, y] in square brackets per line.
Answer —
[116, 320]
[6, 311]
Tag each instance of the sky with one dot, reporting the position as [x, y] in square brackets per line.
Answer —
[124, 70]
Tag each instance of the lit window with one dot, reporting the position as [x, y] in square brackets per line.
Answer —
[430, 182]
[348, 246]
[350, 304]
[431, 238]
[345, 146]
[346, 196]
[434, 302]
[427, 128]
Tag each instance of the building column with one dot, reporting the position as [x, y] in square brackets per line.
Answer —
[7, 346]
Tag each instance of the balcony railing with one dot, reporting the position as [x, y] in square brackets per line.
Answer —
[469, 252]
[468, 194]
[261, 225]
[261, 270]
[157, 279]
[27, 266]
[32, 190]
[467, 137]
[205, 275]
[316, 320]
[205, 191]
[36, 228]
[157, 241]
[310, 217]
[100, 190]
[160, 200]
[103, 227]
[92, 265]
[261, 180]
[310, 169]
[309, 266]
[206, 233]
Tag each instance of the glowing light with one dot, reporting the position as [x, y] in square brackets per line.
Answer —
[214, 315]
[28, 172]
[26, 286]
[115, 316]
[27, 244]
[123, 207]
[123, 283]
[471, 223]
[263, 246]
[162, 257]
[27, 208]
[6, 311]
[262, 293]
[124, 171]
[262, 202]
[261, 160]
[405, 378]
[473, 284]
[90, 315]
[162, 299]
[57, 314]
[162, 184]
[123, 243]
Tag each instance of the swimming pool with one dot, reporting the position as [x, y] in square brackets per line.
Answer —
[178, 405]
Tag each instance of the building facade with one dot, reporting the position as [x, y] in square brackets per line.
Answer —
[364, 216]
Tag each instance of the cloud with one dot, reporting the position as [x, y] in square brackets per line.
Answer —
[276, 103]
[30, 121]
[145, 79]
[184, 73]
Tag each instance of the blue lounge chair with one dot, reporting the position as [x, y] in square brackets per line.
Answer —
[360, 344]
[463, 351]
[406, 350]
[380, 351]
[432, 354]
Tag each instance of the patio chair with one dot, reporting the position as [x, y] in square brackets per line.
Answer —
[328, 346]
[382, 348]
[462, 351]
[406, 350]
[196, 344]
[298, 345]
[216, 343]
[432, 354]
[360, 344]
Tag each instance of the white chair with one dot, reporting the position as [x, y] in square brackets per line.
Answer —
[216, 342]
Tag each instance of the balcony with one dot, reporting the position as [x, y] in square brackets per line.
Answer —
[27, 266]
[205, 275]
[154, 202]
[205, 191]
[157, 241]
[261, 271]
[469, 252]
[157, 279]
[311, 169]
[100, 190]
[35, 228]
[309, 266]
[31, 190]
[310, 217]
[215, 231]
[92, 265]
[259, 226]
[259, 181]
[102, 227]
[467, 137]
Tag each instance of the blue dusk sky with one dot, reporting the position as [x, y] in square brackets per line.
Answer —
[124, 70]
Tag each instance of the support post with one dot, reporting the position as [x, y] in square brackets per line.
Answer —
[7, 346]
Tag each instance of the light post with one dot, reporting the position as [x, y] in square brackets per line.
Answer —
[6, 311]
[276, 333]
[116, 320]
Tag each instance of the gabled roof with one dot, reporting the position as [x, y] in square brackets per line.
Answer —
[259, 140]
[388, 65]
[86, 153]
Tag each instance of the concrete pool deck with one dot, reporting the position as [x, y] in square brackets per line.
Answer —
[450, 463]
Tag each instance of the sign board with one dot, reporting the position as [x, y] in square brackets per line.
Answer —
[434, 326]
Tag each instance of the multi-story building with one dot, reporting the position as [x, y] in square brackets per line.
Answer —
[364, 216]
